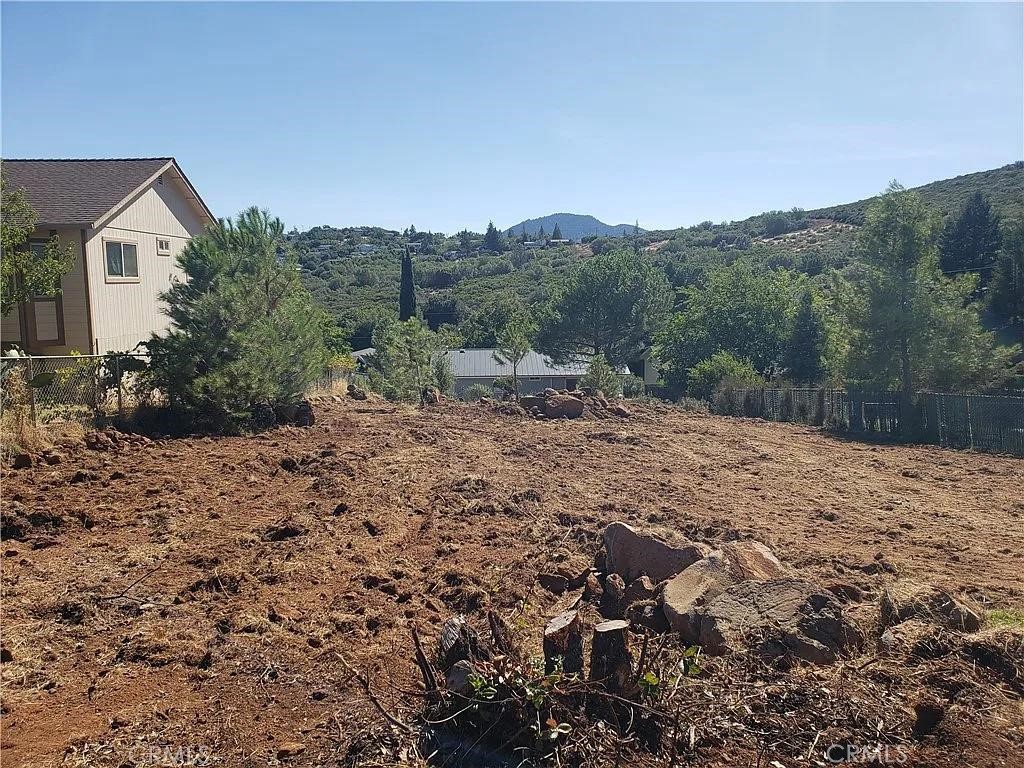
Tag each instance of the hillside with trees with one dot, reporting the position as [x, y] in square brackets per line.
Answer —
[798, 264]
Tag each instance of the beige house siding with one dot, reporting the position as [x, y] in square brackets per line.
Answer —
[127, 312]
[72, 300]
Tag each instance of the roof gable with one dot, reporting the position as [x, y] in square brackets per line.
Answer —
[86, 192]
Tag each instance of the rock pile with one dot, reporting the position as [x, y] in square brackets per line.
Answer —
[572, 404]
[738, 596]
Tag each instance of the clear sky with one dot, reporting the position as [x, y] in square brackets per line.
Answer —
[448, 115]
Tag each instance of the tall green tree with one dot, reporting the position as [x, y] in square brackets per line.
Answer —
[514, 343]
[804, 355]
[244, 332]
[970, 241]
[492, 239]
[407, 290]
[911, 326]
[1006, 292]
[742, 309]
[404, 360]
[556, 233]
[609, 305]
[27, 270]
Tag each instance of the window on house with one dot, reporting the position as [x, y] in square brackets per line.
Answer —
[122, 259]
[163, 247]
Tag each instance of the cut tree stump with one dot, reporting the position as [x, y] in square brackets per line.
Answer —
[563, 638]
[611, 662]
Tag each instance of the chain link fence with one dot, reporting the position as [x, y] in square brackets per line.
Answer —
[993, 423]
[76, 388]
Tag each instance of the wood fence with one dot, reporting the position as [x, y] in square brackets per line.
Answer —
[993, 423]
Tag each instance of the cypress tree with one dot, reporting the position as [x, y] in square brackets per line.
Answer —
[806, 344]
[557, 233]
[407, 293]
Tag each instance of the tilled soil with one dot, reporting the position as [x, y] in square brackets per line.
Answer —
[196, 597]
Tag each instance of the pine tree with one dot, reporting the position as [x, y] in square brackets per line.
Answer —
[970, 241]
[244, 331]
[541, 234]
[803, 355]
[492, 238]
[557, 233]
[523, 237]
[910, 325]
[513, 345]
[407, 292]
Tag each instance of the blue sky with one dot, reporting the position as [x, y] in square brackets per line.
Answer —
[448, 115]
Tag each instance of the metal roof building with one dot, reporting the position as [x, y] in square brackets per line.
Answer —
[536, 372]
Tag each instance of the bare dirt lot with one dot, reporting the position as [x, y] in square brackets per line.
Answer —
[200, 594]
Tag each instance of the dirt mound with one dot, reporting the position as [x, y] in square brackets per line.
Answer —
[564, 404]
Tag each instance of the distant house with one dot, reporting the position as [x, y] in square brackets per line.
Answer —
[364, 249]
[126, 221]
[536, 372]
[364, 358]
[560, 241]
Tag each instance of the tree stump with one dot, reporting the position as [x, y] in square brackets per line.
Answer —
[611, 662]
[563, 638]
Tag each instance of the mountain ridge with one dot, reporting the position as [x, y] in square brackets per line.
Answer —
[573, 226]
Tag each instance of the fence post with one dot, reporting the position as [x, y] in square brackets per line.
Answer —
[31, 392]
[117, 378]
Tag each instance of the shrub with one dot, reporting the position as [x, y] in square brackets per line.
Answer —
[403, 365]
[737, 397]
[244, 332]
[693, 405]
[632, 386]
[600, 375]
[704, 378]
[475, 391]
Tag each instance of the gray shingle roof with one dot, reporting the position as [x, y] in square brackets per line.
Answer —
[78, 191]
[480, 363]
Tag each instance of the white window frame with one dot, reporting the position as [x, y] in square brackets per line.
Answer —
[163, 251]
[121, 278]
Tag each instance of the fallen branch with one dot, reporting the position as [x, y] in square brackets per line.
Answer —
[373, 699]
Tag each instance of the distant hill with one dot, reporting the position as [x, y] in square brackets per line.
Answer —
[574, 226]
[354, 271]
[1004, 188]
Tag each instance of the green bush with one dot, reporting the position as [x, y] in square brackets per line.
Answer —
[600, 375]
[693, 405]
[475, 391]
[704, 378]
[632, 386]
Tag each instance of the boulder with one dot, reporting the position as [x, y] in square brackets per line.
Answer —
[563, 406]
[432, 396]
[554, 583]
[905, 599]
[647, 614]
[457, 678]
[642, 589]
[685, 593]
[355, 392]
[304, 414]
[619, 410]
[776, 618]
[632, 554]
[529, 402]
[752, 560]
[549, 392]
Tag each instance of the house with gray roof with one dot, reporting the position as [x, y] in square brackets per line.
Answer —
[126, 220]
[536, 371]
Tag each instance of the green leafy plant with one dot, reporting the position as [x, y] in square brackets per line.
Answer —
[601, 376]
